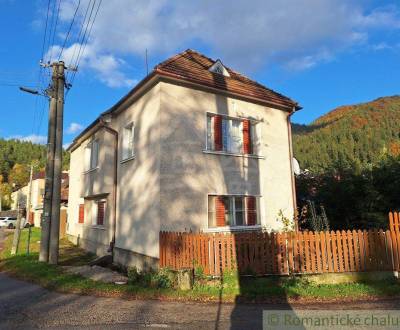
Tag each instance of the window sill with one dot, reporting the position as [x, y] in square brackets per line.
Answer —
[127, 159]
[232, 154]
[91, 170]
[228, 229]
[98, 227]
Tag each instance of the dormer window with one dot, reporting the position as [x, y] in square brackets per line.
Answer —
[218, 68]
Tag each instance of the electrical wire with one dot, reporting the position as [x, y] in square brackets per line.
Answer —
[69, 30]
[77, 40]
[55, 29]
[87, 39]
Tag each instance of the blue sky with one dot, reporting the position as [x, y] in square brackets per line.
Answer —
[322, 53]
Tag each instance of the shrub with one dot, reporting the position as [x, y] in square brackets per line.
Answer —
[133, 275]
[199, 273]
[164, 278]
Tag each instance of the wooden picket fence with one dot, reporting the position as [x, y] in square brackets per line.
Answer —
[284, 253]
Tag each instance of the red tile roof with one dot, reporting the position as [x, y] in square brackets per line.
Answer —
[42, 175]
[194, 67]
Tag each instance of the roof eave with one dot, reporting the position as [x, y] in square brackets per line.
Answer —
[287, 106]
[143, 82]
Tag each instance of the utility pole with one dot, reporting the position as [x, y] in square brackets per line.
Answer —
[28, 198]
[51, 205]
[48, 188]
[17, 231]
[56, 203]
[28, 209]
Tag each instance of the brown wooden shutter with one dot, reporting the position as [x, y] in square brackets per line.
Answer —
[100, 213]
[81, 218]
[218, 133]
[32, 218]
[220, 211]
[247, 143]
[251, 211]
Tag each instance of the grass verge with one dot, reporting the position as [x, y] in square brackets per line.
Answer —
[228, 289]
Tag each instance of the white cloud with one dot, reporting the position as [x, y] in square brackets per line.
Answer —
[309, 61]
[245, 35]
[74, 128]
[41, 139]
[108, 68]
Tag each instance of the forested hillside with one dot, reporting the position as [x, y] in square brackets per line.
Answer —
[354, 136]
[15, 160]
[353, 157]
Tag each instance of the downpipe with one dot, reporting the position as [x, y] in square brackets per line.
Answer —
[114, 133]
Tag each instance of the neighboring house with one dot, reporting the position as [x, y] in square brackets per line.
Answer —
[194, 146]
[37, 195]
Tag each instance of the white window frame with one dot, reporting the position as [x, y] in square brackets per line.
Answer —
[255, 132]
[91, 158]
[94, 212]
[128, 142]
[232, 203]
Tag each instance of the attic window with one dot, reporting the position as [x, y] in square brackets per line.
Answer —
[218, 68]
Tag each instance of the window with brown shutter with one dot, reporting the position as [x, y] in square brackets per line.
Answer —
[220, 211]
[100, 212]
[232, 211]
[81, 218]
[251, 208]
[232, 135]
[247, 145]
[218, 133]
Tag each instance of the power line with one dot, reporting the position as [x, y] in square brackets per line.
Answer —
[41, 76]
[55, 28]
[16, 84]
[69, 30]
[45, 30]
[87, 38]
[78, 38]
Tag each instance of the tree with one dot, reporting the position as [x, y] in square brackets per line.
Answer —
[19, 176]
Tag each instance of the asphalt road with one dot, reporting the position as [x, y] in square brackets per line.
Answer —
[28, 306]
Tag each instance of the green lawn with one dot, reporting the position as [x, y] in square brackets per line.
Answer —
[228, 289]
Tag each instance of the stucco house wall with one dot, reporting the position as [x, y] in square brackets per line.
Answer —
[189, 173]
[166, 184]
[137, 213]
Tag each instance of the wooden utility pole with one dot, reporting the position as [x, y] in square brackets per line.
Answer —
[52, 197]
[17, 231]
[28, 209]
[56, 203]
[28, 198]
[48, 189]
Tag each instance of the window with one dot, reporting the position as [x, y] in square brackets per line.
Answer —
[238, 136]
[81, 216]
[232, 211]
[91, 155]
[128, 141]
[98, 212]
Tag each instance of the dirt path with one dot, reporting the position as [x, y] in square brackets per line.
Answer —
[28, 306]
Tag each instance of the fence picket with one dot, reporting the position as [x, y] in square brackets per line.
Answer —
[319, 267]
[394, 250]
[283, 253]
[350, 244]
[324, 265]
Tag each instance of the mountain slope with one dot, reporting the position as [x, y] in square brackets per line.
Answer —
[353, 136]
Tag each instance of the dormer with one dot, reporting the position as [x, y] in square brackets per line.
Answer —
[219, 68]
